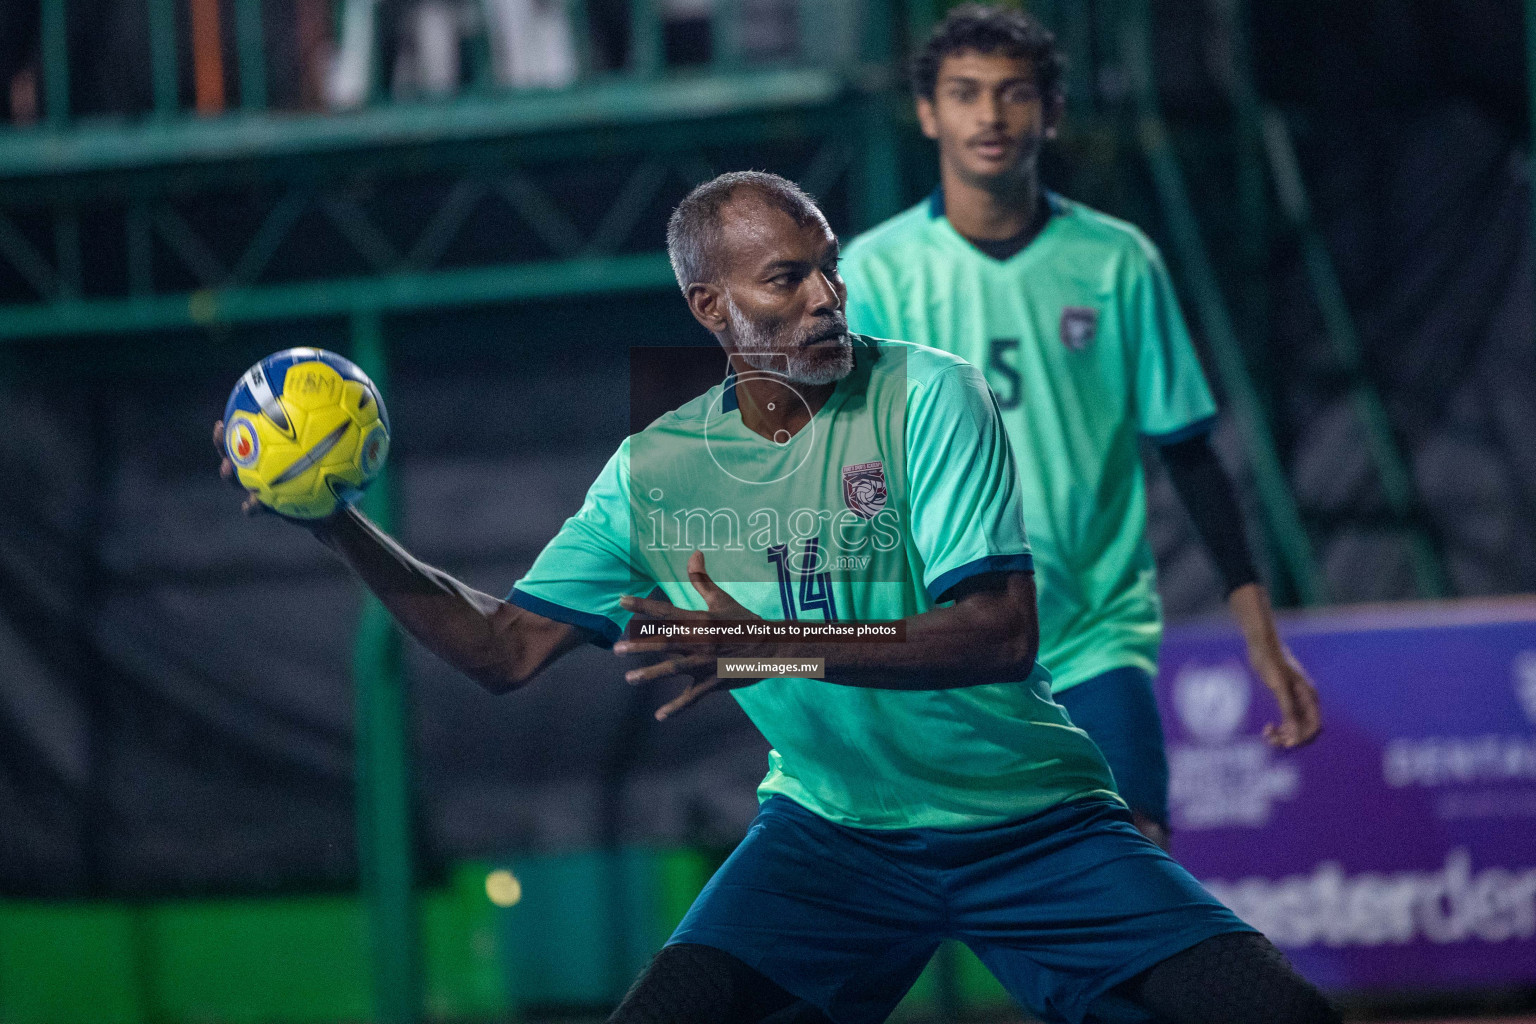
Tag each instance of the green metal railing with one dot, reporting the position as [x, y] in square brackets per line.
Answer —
[838, 46]
[829, 36]
[64, 164]
[1266, 155]
[827, 91]
[384, 803]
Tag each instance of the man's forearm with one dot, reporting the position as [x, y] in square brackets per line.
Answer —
[472, 631]
[1250, 607]
[1211, 501]
[988, 637]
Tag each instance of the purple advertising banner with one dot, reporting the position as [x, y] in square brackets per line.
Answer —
[1398, 851]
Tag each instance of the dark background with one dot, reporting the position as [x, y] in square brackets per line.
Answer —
[175, 696]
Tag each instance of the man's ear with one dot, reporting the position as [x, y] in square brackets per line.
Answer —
[927, 118]
[707, 304]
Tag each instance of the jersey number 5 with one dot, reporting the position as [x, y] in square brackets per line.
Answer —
[1003, 373]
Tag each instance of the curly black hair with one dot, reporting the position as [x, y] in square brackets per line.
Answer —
[984, 28]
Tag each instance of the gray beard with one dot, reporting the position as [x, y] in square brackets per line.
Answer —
[762, 351]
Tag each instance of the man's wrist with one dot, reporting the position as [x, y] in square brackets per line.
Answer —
[334, 529]
[1255, 618]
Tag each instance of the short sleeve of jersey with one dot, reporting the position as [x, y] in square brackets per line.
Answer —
[863, 306]
[580, 575]
[1173, 400]
[967, 517]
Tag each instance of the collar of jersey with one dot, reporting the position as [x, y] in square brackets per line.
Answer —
[729, 402]
[1057, 204]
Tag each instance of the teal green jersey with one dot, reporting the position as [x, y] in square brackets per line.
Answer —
[900, 486]
[1082, 342]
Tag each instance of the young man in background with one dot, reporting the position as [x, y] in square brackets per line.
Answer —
[1073, 318]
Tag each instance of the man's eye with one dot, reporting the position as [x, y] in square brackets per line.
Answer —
[1019, 94]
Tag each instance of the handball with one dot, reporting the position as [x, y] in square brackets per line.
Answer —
[306, 429]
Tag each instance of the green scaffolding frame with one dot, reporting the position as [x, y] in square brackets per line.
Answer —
[825, 93]
[845, 98]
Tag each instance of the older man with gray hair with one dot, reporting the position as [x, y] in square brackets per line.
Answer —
[917, 790]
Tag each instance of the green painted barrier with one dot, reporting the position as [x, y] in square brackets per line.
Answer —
[69, 963]
[279, 960]
[575, 931]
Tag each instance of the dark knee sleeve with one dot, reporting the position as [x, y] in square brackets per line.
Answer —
[1227, 979]
[693, 984]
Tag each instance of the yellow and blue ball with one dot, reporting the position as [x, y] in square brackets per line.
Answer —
[306, 429]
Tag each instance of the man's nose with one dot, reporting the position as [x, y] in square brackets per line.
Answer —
[823, 293]
[991, 109]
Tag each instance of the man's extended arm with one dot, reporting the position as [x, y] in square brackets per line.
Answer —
[497, 644]
[1208, 496]
[989, 635]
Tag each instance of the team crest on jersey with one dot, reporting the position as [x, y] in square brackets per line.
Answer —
[242, 444]
[864, 488]
[1078, 326]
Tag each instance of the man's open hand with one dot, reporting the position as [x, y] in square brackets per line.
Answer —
[683, 656]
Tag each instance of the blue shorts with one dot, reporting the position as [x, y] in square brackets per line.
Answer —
[1061, 907]
[1119, 711]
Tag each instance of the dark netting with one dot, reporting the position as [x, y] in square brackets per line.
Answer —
[176, 709]
[175, 702]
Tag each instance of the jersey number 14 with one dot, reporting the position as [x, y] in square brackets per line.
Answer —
[807, 591]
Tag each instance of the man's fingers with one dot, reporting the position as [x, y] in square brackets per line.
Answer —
[657, 646]
[661, 645]
[1282, 734]
[227, 472]
[252, 506]
[681, 665]
[697, 575]
[651, 673]
[687, 698]
[1308, 712]
[226, 468]
[655, 609]
[1300, 717]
